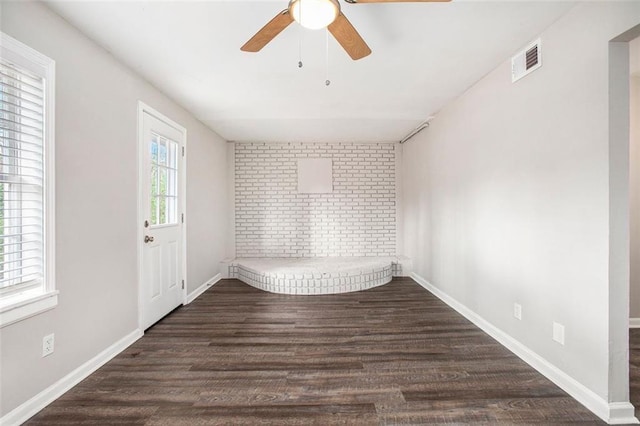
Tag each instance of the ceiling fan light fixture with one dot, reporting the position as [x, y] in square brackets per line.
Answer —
[314, 14]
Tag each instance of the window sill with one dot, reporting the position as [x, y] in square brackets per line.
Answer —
[25, 305]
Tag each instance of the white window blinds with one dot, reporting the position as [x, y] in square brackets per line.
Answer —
[22, 127]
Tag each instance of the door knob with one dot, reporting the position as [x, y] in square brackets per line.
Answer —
[148, 239]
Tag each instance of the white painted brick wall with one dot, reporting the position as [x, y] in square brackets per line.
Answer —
[273, 220]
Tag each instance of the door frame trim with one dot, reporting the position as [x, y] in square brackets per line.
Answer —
[142, 109]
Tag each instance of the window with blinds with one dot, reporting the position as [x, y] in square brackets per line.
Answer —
[21, 178]
[26, 182]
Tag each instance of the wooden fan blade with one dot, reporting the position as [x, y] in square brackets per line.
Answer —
[397, 1]
[268, 32]
[349, 38]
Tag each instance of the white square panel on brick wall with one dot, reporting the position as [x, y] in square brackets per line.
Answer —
[315, 176]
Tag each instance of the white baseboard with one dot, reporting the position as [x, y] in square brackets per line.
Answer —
[31, 407]
[634, 322]
[198, 291]
[621, 413]
[612, 413]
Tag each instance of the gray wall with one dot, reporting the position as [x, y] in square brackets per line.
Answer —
[96, 175]
[506, 196]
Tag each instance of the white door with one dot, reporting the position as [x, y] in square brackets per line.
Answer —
[161, 160]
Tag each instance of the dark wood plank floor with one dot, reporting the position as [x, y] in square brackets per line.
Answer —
[634, 368]
[390, 355]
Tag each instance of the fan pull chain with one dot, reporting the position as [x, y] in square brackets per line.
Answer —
[327, 81]
[300, 33]
[300, 49]
[300, 45]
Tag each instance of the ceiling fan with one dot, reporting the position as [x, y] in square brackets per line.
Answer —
[316, 14]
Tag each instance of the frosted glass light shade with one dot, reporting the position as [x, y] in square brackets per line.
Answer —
[314, 14]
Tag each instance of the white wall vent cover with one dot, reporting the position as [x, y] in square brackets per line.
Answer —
[526, 61]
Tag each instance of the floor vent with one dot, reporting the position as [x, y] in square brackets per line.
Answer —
[526, 61]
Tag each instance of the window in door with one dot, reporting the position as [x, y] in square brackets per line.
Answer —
[164, 180]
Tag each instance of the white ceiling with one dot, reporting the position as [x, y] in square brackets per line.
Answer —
[424, 55]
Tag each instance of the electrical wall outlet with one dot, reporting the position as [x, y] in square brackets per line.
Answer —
[517, 311]
[558, 332]
[47, 345]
